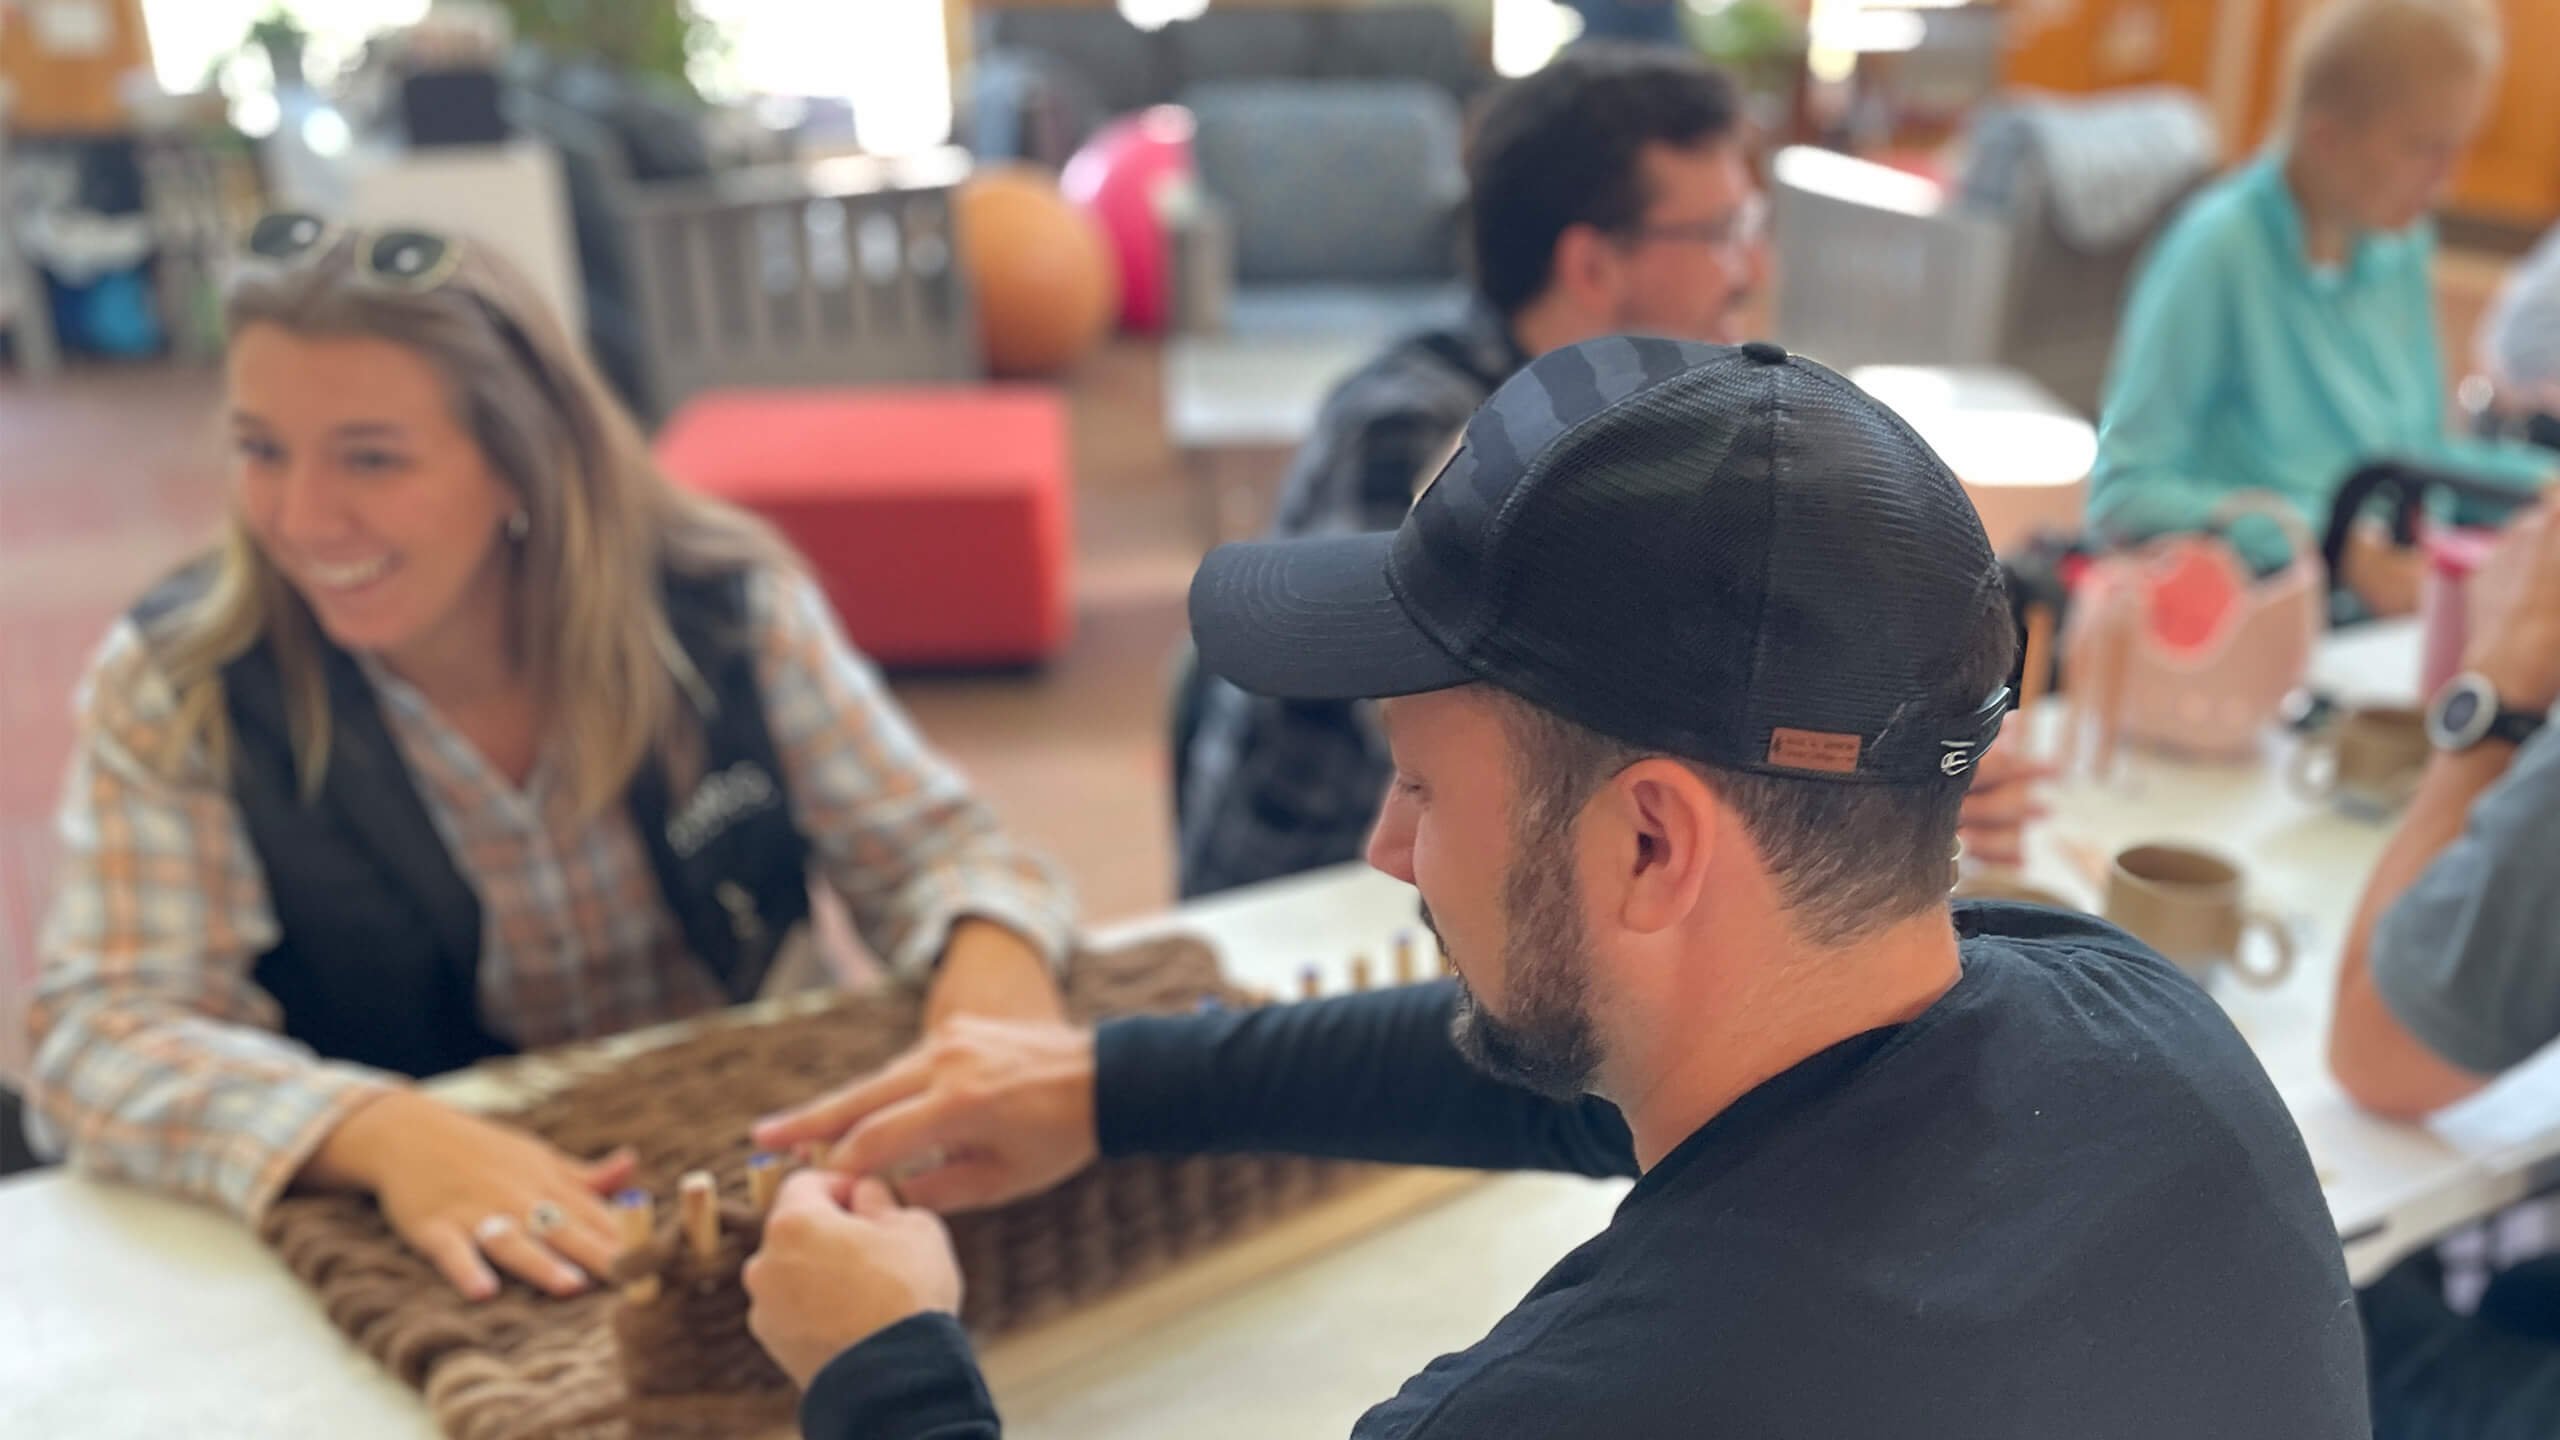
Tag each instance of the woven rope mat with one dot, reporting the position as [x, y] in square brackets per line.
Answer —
[524, 1366]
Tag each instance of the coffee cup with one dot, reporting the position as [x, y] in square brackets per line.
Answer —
[2188, 905]
[2368, 760]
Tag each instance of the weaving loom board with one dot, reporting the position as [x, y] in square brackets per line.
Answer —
[1145, 1242]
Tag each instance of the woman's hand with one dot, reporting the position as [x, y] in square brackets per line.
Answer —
[989, 971]
[469, 1193]
[2385, 576]
[2004, 799]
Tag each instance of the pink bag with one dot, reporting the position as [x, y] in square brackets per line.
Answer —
[2174, 646]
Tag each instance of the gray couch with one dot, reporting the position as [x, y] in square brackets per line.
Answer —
[1327, 208]
[2023, 260]
[1044, 76]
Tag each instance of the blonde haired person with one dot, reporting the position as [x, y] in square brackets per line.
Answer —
[2283, 331]
[474, 734]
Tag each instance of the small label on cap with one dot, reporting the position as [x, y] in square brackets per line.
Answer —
[1814, 750]
[1765, 352]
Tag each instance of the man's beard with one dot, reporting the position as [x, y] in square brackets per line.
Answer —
[1547, 1042]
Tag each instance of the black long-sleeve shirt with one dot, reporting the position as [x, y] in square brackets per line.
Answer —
[2063, 1204]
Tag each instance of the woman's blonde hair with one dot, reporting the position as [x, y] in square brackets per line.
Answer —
[2353, 58]
[603, 525]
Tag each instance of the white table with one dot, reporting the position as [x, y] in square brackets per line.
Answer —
[2022, 454]
[1239, 405]
[2391, 1187]
[125, 1315]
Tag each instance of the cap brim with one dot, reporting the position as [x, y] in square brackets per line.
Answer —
[1313, 619]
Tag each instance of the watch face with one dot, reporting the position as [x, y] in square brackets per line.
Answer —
[2461, 711]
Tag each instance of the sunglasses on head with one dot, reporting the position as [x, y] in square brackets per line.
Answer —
[402, 259]
[411, 261]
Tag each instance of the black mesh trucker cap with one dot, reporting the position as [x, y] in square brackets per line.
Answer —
[1725, 553]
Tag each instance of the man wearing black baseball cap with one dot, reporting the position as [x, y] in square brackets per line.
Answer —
[1687, 656]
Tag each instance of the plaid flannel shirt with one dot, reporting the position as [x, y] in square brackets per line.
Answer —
[1277, 787]
[157, 1057]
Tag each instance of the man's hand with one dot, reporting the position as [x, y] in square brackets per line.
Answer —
[842, 1261]
[988, 970]
[2516, 644]
[2003, 799]
[978, 1113]
[468, 1193]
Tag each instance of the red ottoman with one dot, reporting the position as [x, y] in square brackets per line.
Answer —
[935, 518]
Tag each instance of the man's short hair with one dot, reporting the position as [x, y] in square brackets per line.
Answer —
[2354, 58]
[1564, 147]
[1848, 859]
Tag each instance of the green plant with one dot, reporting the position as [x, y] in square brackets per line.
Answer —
[1758, 40]
[661, 38]
[279, 29]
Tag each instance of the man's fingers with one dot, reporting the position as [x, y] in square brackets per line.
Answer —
[872, 1198]
[828, 1117]
[811, 1191]
[893, 1137]
[457, 1259]
[971, 1182]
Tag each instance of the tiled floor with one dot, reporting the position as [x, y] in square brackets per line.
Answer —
[110, 476]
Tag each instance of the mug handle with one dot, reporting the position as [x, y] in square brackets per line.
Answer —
[2274, 973]
[2311, 778]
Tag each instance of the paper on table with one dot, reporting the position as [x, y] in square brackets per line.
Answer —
[2516, 1114]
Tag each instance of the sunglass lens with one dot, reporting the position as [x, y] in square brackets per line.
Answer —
[283, 236]
[407, 255]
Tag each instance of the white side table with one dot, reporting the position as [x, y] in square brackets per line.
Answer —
[1235, 406]
[2023, 455]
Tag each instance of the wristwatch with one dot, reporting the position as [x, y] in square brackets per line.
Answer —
[2467, 711]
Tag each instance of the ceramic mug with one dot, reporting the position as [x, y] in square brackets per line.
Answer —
[2368, 760]
[2188, 905]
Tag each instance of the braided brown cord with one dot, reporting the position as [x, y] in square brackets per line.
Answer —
[524, 1366]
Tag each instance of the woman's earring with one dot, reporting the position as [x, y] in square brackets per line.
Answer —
[519, 525]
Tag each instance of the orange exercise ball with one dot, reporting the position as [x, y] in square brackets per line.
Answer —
[1040, 269]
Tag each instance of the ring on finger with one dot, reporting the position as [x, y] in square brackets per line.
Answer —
[544, 1218]
[493, 1228]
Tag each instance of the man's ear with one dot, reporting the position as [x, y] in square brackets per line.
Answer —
[1585, 269]
[1663, 824]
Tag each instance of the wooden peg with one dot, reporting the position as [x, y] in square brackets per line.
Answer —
[639, 1221]
[1310, 985]
[698, 1210]
[1359, 972]
[764, 1177]
[1404, 958]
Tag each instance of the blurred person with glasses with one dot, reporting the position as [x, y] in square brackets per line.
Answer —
[1609, 193]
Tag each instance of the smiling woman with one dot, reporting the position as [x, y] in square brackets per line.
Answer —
[474, 734]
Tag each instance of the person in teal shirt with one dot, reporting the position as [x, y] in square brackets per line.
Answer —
[2283, 330]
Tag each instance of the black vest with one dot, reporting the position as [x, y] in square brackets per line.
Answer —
[380, 951]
